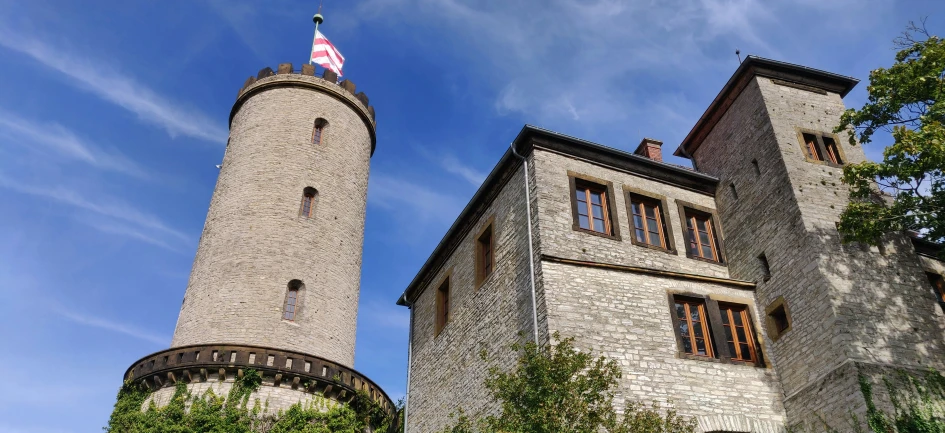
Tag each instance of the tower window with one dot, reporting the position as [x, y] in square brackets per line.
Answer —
[307, 209]
[738, 333]
[318, 130]
[779, 319]
[442, 305]
[485, 254]
[754, 163]
[647, 221]
[591, 206]
[291, 307]
[702, 243]
[820, 147]
[731, 186]
[693, 328]
[765, 268]
[938, 283]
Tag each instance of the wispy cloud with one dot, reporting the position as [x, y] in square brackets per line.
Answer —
[109, 208]
[451, 164]
[109, 325]
[418, 203]
[65, 144]
[116, 88]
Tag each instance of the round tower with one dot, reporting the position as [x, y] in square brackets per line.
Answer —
[276, 279]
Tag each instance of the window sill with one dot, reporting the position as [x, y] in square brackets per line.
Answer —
[714, 262]
[684, 355]
[653, 247]
[596, 233]
[290, 322]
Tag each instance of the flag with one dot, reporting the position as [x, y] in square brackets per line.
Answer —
[326, 55]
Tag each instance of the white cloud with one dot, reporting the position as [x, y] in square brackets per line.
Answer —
[116, 88]
[109, 208]
[108, 325]
[65, 144]
[417, 203]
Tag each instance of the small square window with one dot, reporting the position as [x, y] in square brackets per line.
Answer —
[779, 319]
[647, 222]
[693, 327]
[820, 147]
[442, 305]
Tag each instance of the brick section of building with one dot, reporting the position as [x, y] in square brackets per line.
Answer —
[852, 310]
[255, 241]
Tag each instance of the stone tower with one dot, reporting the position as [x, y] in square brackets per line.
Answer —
[275, 283]
[834, 311]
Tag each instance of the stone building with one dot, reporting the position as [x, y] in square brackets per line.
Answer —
[724, 289]
[276, 280]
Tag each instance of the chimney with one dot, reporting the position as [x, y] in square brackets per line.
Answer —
[650, 148]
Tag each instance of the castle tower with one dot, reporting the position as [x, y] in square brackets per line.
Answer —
[834, 312]
[275, 283]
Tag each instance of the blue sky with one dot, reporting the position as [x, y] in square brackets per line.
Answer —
[113, 115]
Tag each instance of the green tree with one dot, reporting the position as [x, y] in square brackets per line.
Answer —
[558, 389]
[906, 190]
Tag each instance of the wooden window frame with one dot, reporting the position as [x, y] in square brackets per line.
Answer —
[666, 227]
[611, 224]
[296, 286]
[716, 330]
[318, 131]
[716, 238]
[309, 196]
[481, 265]
[444, 304]
[831, 155]
[938, 288]
[727, 311]
[704, 324]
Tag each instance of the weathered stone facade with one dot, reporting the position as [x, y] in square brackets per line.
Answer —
[259, 240]
[851, 309]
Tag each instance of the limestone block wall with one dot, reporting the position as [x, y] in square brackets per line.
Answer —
[561, 240]
[627, 317]
[446, 370]
[271, 399]
[846, 302]
[255, 241]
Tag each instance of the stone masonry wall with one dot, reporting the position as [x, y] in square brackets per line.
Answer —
[847, 302]
[270, 398]
[446, 370]
[627, 317]
[255, 242]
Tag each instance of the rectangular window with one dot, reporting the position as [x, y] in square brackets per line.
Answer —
[702, 242]
[291, 300]
[485, 255]
[647, 221]
[765, 267]
[833, 153]
[738, 333]
[813, 148]
[820, 147]
[593, 211]
[442, 305]
[693, 327]
[939, 284]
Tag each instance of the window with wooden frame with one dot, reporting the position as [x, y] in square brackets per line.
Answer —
[820, 147]
[442, 305]
[318, 130]
[485, 254]
[647, 222]
[307, 209]
[290, 307]
[938, 283]
[593, 207]
[700, 236]
[738, 332]
[693, 327]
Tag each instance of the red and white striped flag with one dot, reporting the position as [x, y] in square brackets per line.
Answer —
[326, 55]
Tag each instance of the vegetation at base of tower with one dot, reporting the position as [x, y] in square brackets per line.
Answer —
[234, 414]
[906, 190]
[559, 389]
[918, 405]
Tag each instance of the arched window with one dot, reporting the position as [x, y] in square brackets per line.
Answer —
[308, 202]
[291, 308]
[319, 130]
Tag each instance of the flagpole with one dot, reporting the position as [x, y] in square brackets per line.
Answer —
[318, 18]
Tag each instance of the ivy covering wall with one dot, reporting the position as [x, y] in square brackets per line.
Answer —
[235, 413]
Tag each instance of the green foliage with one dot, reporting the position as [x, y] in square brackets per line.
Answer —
[906, 190]
[558, 389]
[918, 403]
[233, 414]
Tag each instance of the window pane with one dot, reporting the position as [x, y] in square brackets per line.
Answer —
[598, 211]
[687, 345]
[728, 330]
[583, 222]
[731, 349]
[580, 194]
[724, 316]
[598, 225]
[707, 252]
[697, 330]
[680, 311]
[650, 212]
[641, 237]
[595, 197]
[635, 208]
[703, 238]
[700, 223]
[737, 316]
[652, 226]
[694, 313]
[582, 208]
[700, 347]
[741, 334]
[746, 351]
[638, 222]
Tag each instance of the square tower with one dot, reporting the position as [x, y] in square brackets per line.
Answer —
[834, 311]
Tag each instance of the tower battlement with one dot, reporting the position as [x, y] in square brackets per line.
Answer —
[308, 71]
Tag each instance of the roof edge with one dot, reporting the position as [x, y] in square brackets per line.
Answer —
[759, 66]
